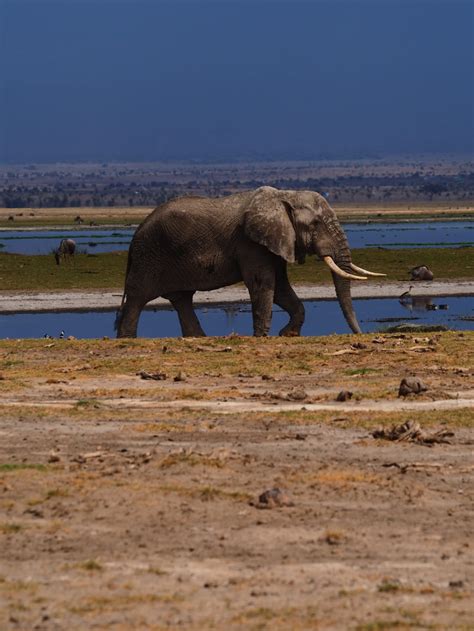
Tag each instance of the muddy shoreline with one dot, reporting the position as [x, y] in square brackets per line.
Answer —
[60, 301]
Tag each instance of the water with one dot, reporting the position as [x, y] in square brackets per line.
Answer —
[411, 235]
[322, 317]
[387, 235]
[45, 241]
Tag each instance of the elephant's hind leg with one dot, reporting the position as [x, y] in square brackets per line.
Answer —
[182, 301]
[129, 315]
[286, 298]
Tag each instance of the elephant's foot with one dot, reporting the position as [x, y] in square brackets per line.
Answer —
[195, 334]
[293, 328]
[289, 331]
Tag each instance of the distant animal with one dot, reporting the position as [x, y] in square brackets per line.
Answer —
[66, 250]
[198, 244]
[421, 272]
[78, 219]
[415, 303]
[406, 296]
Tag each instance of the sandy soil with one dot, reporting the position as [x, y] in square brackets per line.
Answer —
[19, 301]
[132, 503]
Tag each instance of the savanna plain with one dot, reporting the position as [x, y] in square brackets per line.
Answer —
[219, 482]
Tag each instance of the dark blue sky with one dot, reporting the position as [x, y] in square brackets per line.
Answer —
[139, 80]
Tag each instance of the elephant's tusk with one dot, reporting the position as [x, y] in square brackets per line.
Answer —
[340, 272]
[361, 270]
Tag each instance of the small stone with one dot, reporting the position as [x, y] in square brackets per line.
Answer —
[273, 498]
[157, 376]
[411, 385]
[378, 340]
[297, 394]
[456, 584]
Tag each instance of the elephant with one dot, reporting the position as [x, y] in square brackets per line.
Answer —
[198, 243]
[66, 250]
[421, 272]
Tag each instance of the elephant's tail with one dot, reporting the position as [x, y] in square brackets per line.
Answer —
[119, 314]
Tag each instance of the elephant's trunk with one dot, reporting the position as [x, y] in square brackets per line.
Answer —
[343, 293]
[342, 267]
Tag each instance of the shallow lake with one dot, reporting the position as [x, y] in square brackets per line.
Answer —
[387, 235]
[45, 241]
[322, 317]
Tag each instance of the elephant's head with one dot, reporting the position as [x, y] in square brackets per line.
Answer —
[292, 224]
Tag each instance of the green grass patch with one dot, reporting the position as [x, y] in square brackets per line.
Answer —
[9, 529]
[91, 566]
[446, 263]
[10, 466]
[107, 271]
[86, 271]
[362, 371]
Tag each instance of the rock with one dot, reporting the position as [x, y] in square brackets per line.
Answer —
[297, 394]
[344, 395]
[410, 431]
[274, 498]
[456, 584]
[378, 340]
[157, 376]
[181, 376]
[411, 385]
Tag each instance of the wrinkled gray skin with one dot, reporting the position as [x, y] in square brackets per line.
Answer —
[422, 272]
[66, 250]
[195, 243]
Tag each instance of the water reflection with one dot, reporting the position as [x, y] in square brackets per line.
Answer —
[421, 303]
[323, 317]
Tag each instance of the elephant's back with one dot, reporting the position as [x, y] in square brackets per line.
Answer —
[187, 220]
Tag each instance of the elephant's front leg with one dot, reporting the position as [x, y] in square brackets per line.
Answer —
[258, 273]
[182, 301]
[286, 298]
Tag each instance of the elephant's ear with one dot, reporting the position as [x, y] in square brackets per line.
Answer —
[267, 221]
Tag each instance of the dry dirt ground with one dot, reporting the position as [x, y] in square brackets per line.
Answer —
[133, 503]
